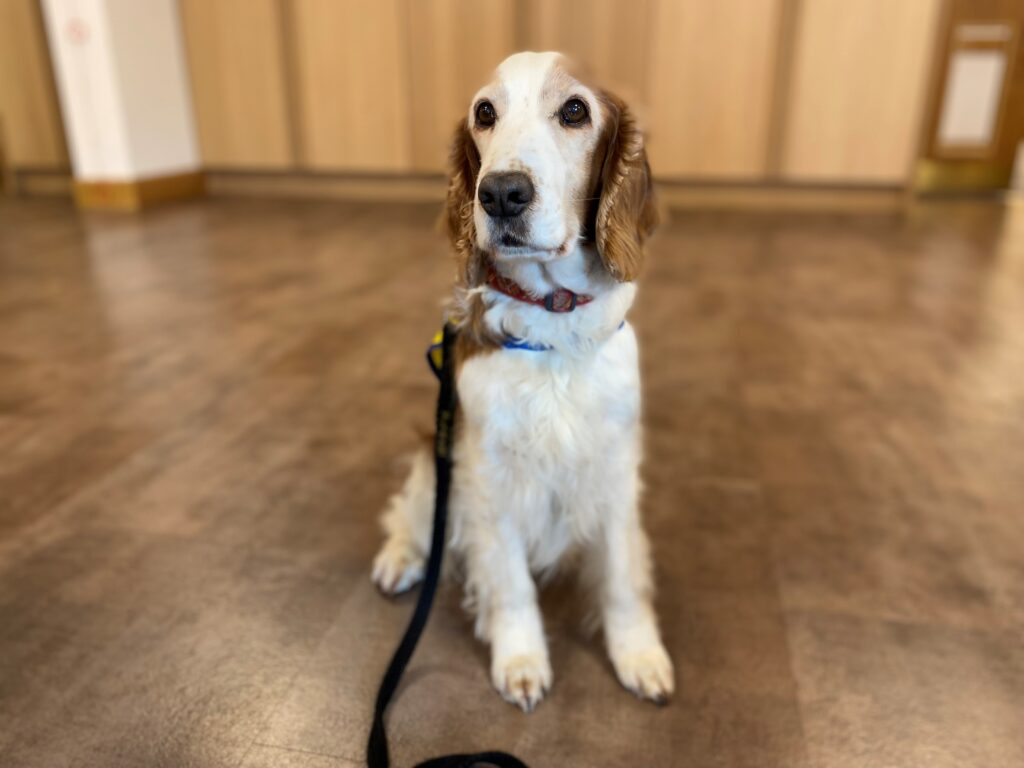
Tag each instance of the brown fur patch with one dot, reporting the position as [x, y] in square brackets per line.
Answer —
[467, 309]
[463, 167]
[626, 211]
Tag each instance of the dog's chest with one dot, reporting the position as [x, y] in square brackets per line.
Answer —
[548, 412]
[550, 441]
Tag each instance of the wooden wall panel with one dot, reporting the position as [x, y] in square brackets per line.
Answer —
[454, 45]
[376, 87]
[609, 38]
[352, 73]
[237, 66]
[711, 88]
[33, 133]
[857, 90]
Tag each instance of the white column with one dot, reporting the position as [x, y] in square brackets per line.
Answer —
[123, 83]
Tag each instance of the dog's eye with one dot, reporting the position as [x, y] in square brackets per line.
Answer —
[485, 114]
[574, 112]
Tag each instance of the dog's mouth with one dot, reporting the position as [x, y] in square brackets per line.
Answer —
[511, 244]
[505, 250]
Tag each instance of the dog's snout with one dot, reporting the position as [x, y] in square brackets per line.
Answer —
[504, 195]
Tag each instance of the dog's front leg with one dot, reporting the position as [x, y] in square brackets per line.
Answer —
[502, 587]
[620, 568]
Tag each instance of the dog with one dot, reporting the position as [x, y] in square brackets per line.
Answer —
[549, 203]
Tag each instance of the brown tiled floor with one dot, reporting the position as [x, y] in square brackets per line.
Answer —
[203, 409]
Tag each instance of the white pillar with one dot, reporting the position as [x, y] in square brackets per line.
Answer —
[123, 83]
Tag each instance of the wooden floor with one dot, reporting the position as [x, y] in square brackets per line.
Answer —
[202, 410]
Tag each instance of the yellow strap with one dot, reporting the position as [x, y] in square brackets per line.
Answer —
[436, 352]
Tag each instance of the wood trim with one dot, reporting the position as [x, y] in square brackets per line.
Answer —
[358, 187]
[785, 56]
[933, 176]
[782, 197]
[6, 174]
[38, 181]
[292, 92]
[135, 195]
[932, 95]
[521, 33]
[432, 187]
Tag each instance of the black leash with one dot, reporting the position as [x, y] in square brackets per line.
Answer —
[377, 748]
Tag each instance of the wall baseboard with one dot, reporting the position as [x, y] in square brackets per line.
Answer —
[48, 182]
[431, 188]
[138, 194]
[688, 195]
[363, 187]
[938, 176]
[781, 197]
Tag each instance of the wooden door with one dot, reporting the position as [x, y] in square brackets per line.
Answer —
[976, 118]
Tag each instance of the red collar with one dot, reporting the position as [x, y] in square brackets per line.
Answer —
[562, 300]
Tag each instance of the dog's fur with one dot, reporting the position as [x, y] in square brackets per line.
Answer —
[548, 443]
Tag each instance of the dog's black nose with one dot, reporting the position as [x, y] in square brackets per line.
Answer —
[504, 195]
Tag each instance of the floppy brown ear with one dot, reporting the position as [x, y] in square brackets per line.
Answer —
[626, 213]
[464, 165]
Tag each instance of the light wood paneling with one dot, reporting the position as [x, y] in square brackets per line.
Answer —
[29, 115]
[353, 84]
[712, 80]
[609, 37]
[858, 87]
[453, 47]
[358, 87]
[237, 66]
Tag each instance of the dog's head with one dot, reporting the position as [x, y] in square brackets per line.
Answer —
[544, 161]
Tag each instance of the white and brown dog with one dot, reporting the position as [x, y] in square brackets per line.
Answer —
[548, 206]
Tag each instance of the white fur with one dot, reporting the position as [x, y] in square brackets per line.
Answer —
[528, 92]
[548, 453]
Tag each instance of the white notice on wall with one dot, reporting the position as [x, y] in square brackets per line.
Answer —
[970, 107]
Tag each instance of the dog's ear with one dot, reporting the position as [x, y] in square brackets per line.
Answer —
[626, 210]
[464, 165]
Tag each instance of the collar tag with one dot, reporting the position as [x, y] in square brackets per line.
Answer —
[560, 301]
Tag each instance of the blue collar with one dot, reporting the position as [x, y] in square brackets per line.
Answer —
[434, 354]
[514, 343]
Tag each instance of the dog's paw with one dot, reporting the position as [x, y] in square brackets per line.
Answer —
[522, 679]
[646, 672]
[397, 568]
